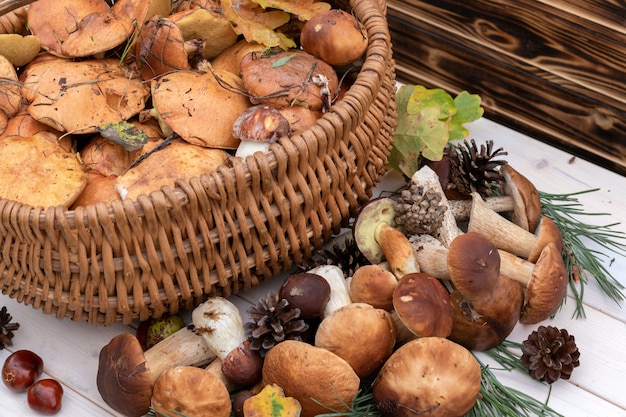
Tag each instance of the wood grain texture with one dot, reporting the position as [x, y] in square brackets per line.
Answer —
[558, 75]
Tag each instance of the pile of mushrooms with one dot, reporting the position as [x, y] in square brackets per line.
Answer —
[143, 75]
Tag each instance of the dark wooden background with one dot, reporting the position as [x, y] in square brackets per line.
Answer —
[554, 69]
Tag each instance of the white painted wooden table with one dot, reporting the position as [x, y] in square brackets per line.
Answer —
[597, 387]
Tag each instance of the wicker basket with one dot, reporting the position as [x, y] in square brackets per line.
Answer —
[218, 234]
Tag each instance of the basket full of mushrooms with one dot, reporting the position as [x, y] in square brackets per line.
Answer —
[156, 152]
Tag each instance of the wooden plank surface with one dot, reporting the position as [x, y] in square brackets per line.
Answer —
[558, 74]
[70, 350]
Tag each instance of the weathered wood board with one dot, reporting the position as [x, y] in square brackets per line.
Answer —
[555, 70]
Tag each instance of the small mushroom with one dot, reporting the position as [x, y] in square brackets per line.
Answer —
[339, 291]
[487, 305]
[11, 92]
[526, 211]
[510, 237]
[378, 239]
[430, 376]
[423, 305]
[126, 375]
[306, 291]
[374, 285]
[220, 324]
[319, 379]
[190, 391]
[545, 282]
[347, 330]
[257, 128]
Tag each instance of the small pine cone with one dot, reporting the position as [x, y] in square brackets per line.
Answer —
[273, 321]
[549, 354]
[347, 256]
[475, 170]
[6, 328]
[419, 212]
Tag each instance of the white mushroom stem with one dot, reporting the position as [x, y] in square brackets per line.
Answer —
[461, 209]
[249, 147]
[429, 180]
[219, 323]
[503, 233]
[339, 291]
[432, 255]
[183, 347]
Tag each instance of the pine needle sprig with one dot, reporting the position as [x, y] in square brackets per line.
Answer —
[580, 260]
[498, 400]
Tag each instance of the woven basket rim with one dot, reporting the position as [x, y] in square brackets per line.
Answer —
[374, 57]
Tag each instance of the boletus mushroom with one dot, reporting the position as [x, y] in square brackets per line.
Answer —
[486, 304]
[319, 379]
[422, 304]
[126, 374]
[190, 391]
[289, 78]
[335, 36]
[429, 376]
[348, 329]
[378, 239]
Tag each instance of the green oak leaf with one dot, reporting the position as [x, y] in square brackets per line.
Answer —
[427, 120]
[467, 110]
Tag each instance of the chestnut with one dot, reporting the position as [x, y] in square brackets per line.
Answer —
[45, 396]
[334, 36]
[21, 369]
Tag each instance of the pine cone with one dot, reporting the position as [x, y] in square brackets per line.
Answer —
[273, 321]
[474, 170]
[419, 212]
[550, 354]
[6, 328]
[346, 256]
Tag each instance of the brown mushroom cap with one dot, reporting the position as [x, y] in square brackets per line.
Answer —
[79, 97]
[11, 92]
[285, 79]
[423, 305]
[374, 285]
[199, 108]
[546, 288]
[307, 291]
[78, 28]
[347, 330]
[190, 391]
[230, 58]
[527, 205]
[487, 305]
[124, 381]
[37, 171]
[312, 375]
[160, 48]
[430, 376]
[184, 161]
[548, 233]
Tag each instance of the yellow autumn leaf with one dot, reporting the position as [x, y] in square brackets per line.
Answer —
[303, 9]
[271, 402]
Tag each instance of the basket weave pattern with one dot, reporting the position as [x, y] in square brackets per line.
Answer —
[218, 234]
